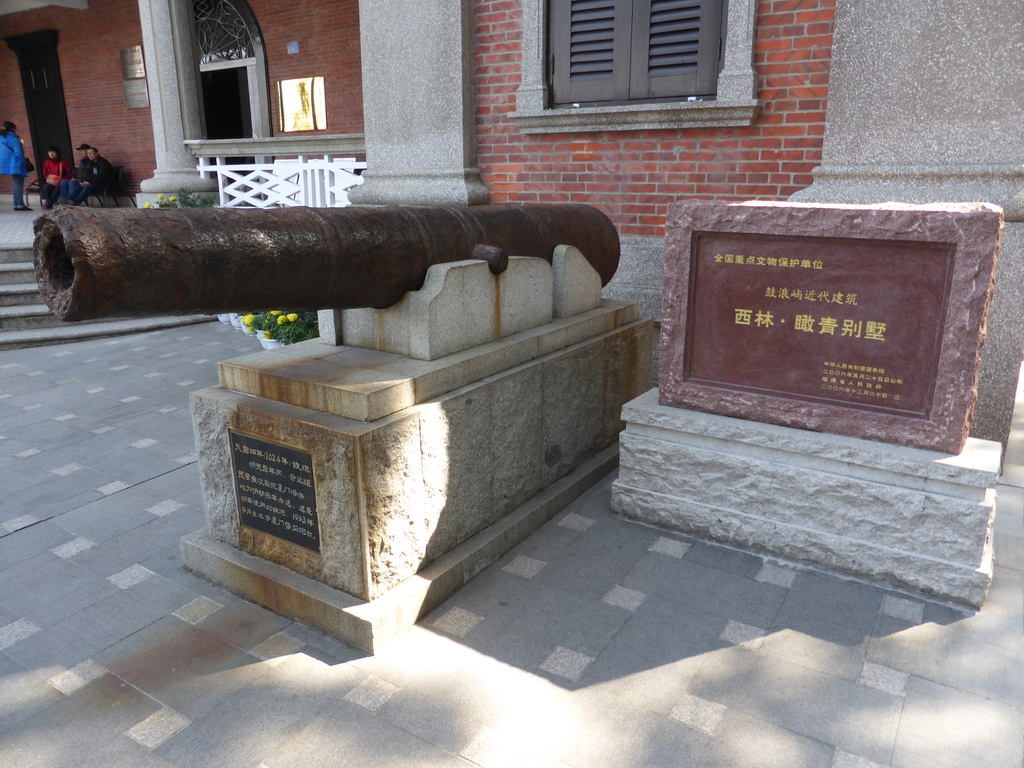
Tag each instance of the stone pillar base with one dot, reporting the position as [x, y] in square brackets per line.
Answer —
[908, 517]
[424, 187]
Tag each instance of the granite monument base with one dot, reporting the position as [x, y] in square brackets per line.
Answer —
[354, 489]
[904, 516]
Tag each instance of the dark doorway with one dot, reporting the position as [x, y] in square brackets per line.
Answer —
[226, 103]
[44, 94]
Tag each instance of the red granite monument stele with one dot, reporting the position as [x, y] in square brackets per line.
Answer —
[857, 320]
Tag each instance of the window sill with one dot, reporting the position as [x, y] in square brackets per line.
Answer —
[633, 117]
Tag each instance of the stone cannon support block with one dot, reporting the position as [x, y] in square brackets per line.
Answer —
[908, 516]
[577, 285]
[461, 305]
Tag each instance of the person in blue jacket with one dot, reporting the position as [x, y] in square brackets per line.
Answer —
[12, 162]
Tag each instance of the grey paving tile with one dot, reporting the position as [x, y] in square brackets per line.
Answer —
[122, 752]
[546, 544]
[181, 666]
[596, 560]
[139, 543]
[707, 589]
[582, 622]
[661, 644]
[50, 651]
[640, 738]
[18, 476]
[107, 621]
[520, 650]
[1009, 550]
[22, 694]
[129, 465]
[842, 714]
[747, 742]
[56, 494]
[957, 659]
[816, 594]
[951, 728]
[85, 721]
[347, 736]
[47, 434]
[26, 543]
[46, 589]
[106, 517]
[274, 708]
[724, 558]
[243, 624]
[447, 705]
[814, 642]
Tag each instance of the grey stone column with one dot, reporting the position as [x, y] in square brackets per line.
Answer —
[418, 104]
[171, 75]
[925, 105]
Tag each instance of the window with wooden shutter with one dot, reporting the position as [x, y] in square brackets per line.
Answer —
[631, 50]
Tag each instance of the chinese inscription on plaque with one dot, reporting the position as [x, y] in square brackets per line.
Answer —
[275, 490]
[854, 321]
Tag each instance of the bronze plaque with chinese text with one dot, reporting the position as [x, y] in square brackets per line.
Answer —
[865, 321]
[275, 491]
[854, 321]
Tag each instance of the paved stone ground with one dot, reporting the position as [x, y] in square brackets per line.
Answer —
[595, 643]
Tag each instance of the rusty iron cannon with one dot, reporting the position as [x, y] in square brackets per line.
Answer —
[93, 263]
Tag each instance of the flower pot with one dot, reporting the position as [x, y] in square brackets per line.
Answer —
[270, 343]
[236, 320]
[247, 330]
[225, 318]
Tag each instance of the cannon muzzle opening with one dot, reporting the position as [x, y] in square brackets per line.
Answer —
[55, 271]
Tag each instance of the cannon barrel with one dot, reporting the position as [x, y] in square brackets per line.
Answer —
[93, 263]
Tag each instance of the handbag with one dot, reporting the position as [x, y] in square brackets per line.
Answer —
[28, 166]
[53, 179]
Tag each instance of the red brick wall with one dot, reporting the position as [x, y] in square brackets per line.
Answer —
[634, 175]
[327, 32]
[89, 44]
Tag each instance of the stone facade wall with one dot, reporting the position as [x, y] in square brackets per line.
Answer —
[633, 175]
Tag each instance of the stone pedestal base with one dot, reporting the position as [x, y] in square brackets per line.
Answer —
[410, 461]
[904, 516]
[371, 624]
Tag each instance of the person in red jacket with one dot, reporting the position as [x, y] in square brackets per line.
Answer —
[55, 170]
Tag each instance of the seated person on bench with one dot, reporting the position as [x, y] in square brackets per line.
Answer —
[92, 177]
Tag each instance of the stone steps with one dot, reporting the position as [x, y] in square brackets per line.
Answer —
[61, 333]
[19, 294]
[15, 255]
[17, 273]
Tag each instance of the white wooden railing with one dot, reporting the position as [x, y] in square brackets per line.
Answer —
[319, 183]
[277, 178]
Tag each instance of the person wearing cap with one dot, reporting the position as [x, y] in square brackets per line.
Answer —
[55, 170]
[93, 175]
